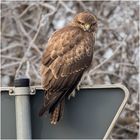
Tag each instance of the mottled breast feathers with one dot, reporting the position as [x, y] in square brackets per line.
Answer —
[69, 51]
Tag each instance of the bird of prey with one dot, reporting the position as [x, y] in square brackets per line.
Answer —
[67, 56]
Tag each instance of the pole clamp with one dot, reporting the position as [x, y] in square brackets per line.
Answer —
[22, 87]
[15, 91]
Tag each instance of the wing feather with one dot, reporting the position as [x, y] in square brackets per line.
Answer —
[64, 61]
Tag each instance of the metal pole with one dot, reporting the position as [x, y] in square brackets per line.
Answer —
[22, 105]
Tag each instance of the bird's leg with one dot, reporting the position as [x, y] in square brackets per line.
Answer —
[78, 86]
[72, 94]
[74, 91]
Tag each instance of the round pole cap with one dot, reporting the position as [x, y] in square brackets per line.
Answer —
[22, 82]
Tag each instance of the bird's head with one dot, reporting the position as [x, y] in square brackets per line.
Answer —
[86, 21]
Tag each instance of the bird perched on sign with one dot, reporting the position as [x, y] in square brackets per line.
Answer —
[68, 55]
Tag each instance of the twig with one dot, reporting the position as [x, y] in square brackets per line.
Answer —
[66, 7]
[36, 73]
[11, 47]
[107, 73]
[85, 8]
[29, 47]
[9, 65]
[128, 64]
[27, 69]
[11, 58]
[25, 11]
[48, 6]
[108, 59]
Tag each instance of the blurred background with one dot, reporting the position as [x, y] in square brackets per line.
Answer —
[26, 27]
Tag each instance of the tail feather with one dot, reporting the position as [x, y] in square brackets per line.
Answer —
[49, 100]
[61, 109]
[57, 113]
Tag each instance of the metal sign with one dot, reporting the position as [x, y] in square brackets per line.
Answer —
[90, 115]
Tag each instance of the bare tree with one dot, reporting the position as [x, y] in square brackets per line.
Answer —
[26, 26]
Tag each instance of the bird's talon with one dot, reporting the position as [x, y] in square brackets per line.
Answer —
[72, 95]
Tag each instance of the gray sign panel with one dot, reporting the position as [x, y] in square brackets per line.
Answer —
[91, 114]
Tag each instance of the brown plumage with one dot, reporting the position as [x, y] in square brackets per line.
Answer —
[67, 56]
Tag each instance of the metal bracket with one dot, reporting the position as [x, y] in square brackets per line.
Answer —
[15, 91]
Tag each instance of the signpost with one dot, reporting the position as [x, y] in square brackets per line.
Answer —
[91, 114]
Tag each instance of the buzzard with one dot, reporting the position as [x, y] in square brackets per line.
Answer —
[67, 56]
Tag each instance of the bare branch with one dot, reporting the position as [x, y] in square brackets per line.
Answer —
[108, 59]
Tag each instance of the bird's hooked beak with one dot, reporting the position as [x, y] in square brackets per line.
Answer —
[87, 26]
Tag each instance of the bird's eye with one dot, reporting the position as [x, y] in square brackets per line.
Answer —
[79, 22]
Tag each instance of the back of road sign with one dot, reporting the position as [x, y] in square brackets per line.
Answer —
[90, 115]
